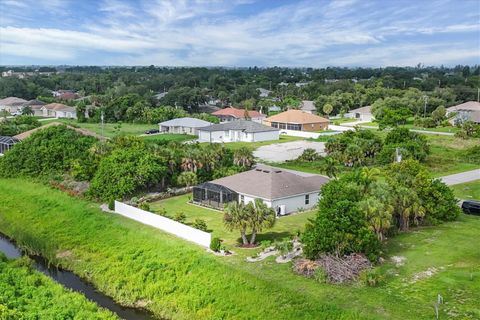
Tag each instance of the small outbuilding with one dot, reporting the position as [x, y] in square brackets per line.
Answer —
[183, 125]
[361, 114]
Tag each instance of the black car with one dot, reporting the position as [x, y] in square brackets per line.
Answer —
[471, 207]
[152, 131]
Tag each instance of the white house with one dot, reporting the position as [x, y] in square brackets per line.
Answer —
[361, 114]
[183, 125]
[285, 191]
[308, 106]
[468, 111]
[240, 130]
[59, 110]
[12, 104]
[36, 106]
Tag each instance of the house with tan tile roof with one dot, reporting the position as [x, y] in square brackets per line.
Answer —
[12, 104]
[232, 114]
[59, 110]
[297, 120]
[467, 111]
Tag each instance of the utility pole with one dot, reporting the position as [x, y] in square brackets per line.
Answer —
[478, 94]
[102, 118]
[425, 98]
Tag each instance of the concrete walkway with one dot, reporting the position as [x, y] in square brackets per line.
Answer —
[281, 152]
[461, 177]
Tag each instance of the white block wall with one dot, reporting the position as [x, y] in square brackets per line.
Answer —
[292, 204]
[171, 226]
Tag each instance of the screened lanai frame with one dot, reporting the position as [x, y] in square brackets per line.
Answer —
[6, 143]
[213, 195]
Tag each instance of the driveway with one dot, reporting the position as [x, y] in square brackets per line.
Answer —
[281, 152]
[461, 177]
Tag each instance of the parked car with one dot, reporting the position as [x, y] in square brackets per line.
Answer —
[152, 131]
[471, 207]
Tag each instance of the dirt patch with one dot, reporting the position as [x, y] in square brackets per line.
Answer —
[64, 254]
[398, 260]
[424, 274]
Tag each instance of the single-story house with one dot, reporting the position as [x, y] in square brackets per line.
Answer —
[240, 130]
[59, 110]
[361, 114]
[232, 114]
[468, 111]
[6, 143]
[264, 92]
[274, 108]
[297, 120]
[183, 125]
[36, 106]
[12, 104]
[308, 106]
[285, 191]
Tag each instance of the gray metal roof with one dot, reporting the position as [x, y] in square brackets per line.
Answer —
[272, 183]
[186, 122]
[242, 125]
[8, 140]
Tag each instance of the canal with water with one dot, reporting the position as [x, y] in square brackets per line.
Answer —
[70, 280]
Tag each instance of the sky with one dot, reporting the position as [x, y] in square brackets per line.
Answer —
[240, 33]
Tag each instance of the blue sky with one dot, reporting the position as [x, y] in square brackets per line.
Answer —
[240, 32]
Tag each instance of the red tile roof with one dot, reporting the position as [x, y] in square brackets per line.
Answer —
[237, 113]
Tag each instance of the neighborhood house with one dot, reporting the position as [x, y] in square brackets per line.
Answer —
[240, 130]
[284, 191]
[297, 120]
[36, 106]
[232, 114]
[362, 114]
[59, 110]
[183, 125]
[468, 111]
[12, 104]
[308, 106]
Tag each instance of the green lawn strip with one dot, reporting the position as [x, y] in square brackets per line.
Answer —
[284, 227]
[28, 294]
[132, 262]
[168, 137]
[467, 191]
[110, 129]
[342, 120]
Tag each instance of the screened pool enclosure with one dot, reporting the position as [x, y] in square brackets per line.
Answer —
[6, 143]
[213, 195]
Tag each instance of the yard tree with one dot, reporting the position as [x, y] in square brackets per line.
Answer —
[327, 109]
[330, 167]
[187, 179]
[243, 157]
[439, 114]
[236, 218]
[378, 214]
[259, 217]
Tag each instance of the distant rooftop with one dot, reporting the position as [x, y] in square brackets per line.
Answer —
[242, 125]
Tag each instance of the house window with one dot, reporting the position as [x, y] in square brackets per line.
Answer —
[307, 199]
[242, 198]
[275, 125]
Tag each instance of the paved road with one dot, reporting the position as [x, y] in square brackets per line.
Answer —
[462, 177]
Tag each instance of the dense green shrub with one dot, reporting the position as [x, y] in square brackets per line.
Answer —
[180, 217]
[200, 224]
[19, 124]
[48, 151]
[215, 244]
[339, 226]
[144, 206]
[372, 277]
[125, 171]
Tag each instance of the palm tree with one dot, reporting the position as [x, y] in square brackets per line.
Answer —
[367, 177]
[330, 167]
[243, 157]
[236, 217]
[379, 215]
[260, 217]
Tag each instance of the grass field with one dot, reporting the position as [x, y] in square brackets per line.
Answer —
[284, 227]
[28, 294]
[168, 137]
[467, 191]
[133, 262]
[110, 129]
[343, 120]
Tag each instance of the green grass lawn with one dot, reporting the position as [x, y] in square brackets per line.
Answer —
[133, 262]
[168, 137]
[467, 191]
[110, 129]
[285, 226]
[255, 145]
[28, 294]
[342, 120]
[447, 155]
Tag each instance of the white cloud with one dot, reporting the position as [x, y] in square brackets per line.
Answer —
[204, 32]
